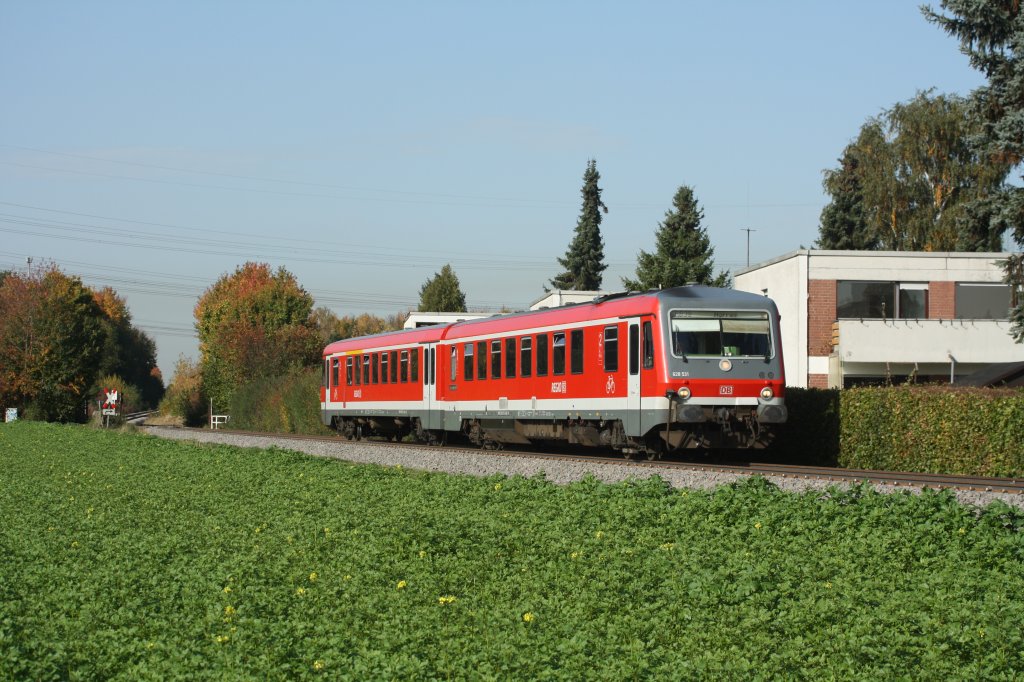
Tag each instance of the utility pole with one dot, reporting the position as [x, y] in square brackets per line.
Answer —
[748, 231]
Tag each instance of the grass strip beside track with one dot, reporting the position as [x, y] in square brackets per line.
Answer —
[122, 555]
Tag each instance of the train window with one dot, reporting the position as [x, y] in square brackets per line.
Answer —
[496, 359]
[454, 363]
[376, 362]
[433, 365]
[525, 356]
[348, 371]
[558, 353]
[634, 349]
[542, 355]
[366, 369]
[576, 351]
[323, 375]
[611, 349]
[467, 359]
[403, 376]
[335, 371]
[720, 333]
[510, 358]
[414, 364]
[394, 366]
[481, 359]
[384, 367]
[356, 371]
[648, 345]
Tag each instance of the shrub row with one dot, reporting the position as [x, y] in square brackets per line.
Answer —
[285, 404]
[943, 430]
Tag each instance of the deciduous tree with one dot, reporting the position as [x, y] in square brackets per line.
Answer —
[683, 254]
[584, 259]
[254, 322]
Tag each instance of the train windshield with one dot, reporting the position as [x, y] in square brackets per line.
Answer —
[721, 333]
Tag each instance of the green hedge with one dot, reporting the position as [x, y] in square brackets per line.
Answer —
[942, 430]
[971, 431]
[286, 404]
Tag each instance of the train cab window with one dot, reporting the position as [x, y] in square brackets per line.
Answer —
[720, 333]
[558, 353]
[335, 371]
[648, 345]
[611, 349]
[394, 366]
[366, 370]
[348, 371]
[481, 359]
[414, 365]
[525, 356]
[542, 355]
[496, 359]
[576, 351]
[376, 361]
[510, 358]
[403, 375]
[384, 367]
[467, 359]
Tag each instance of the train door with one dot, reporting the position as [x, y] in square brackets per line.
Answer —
[432, 418]
[632, 422]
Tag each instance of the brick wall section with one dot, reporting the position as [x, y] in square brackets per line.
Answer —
[941, 300]
[821, 313]
[817, 381]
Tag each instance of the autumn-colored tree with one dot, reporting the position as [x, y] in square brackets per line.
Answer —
[254, 322]
[184, 396]
[128, 352]
[51, 337]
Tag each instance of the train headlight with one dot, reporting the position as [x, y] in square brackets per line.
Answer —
[767, 393]
[725, 365]
[683, 393]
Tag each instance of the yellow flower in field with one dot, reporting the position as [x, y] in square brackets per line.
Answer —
[446, 599]
[497, 486]
[599, 534]
[398, 466]
[227, 589]
[528, 617]
[401, 585]
[327, 531]
[574, 555]
[962, 531]
[668, 546]
[318, 664]
[828, 586]
[423, 554]
[347, 577]
[757, 525]
[229, 611]
[75, 543]
[301, 591]
[221, 639]
[313, 576]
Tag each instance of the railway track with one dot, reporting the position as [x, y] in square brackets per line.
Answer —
[1014, 486]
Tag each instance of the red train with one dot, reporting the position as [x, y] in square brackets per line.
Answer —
[689, 367]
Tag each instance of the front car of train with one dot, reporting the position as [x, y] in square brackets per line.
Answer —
[724, 377]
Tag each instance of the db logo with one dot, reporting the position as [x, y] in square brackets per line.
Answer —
[609, 386]
[725, 390]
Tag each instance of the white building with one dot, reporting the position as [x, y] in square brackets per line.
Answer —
[852, 317]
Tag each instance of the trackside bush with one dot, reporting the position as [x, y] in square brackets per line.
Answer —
[289, 403]
[971, 431]
[811, 435]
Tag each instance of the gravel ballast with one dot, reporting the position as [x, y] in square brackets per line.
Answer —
[484, 464]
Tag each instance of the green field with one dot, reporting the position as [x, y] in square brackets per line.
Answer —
[124, 556]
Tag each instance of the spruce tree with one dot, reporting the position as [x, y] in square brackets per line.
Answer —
[843, 224]
[584, 259]
[683, 254]
[441, 293]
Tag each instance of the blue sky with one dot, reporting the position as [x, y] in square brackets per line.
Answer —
[154, 147]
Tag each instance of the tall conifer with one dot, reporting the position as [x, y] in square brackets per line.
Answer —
[584, 259]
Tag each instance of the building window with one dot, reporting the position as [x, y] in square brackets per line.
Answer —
[982, 301]
[542, 355]
[558, 353]
[525, 356]
[881, 300]
[576, 351]
[611, 349]
[467, 359]
[496, 359]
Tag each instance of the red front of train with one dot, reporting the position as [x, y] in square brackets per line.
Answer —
[689, 367]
